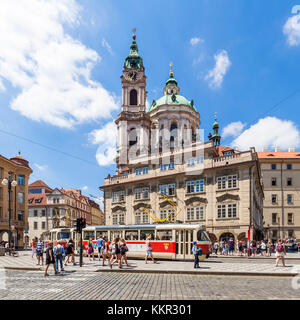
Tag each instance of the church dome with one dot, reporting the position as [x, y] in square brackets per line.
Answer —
[171, 95]
[175, 99]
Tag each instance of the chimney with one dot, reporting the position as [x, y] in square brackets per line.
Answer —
[265, 149]
[291, 149]
[277, 149]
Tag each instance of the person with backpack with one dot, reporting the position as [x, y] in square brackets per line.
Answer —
[280, 252]
[196, 252]
[59, 254]
[99, 246]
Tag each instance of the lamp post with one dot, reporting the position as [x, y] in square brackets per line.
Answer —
[10, 183]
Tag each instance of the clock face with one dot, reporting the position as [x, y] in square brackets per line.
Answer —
[132, 76]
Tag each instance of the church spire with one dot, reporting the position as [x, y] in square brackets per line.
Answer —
[215, 138]
[134, 61]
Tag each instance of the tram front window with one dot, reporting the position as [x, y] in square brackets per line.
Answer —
[146, 233]
[63, 235]
[165, 235]
[201, 236]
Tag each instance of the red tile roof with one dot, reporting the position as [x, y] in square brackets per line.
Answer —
[36, 200]
[39, 183]
[278, 155]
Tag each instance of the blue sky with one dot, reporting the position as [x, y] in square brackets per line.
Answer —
[61, 62]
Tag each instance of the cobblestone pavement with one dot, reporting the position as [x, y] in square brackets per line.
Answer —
[217, 264]
[21, 285]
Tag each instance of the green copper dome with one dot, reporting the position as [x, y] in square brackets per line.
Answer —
[172, 100]
[134, 61]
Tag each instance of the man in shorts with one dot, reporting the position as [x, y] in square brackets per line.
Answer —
[99, 246]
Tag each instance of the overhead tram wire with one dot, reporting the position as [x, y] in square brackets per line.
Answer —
[50, 148]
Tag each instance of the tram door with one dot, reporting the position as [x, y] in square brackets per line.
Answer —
[184, 244]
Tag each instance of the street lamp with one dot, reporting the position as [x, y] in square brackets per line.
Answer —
[10, 183]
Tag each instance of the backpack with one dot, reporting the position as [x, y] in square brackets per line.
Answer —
[58, 251]
[199, 251]
[280, 248]
[123, 249]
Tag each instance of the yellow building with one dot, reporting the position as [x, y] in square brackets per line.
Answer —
[16, 170]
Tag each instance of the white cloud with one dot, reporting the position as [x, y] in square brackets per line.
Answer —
[41, 167]
[195, 41]
[233, 129]
[216, 75]
[269, 132]
[85, 188]
[51, 69]
[107, 140]
[107, 46]
[292, 30]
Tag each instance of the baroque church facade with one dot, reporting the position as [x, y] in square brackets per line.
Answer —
[167, 172]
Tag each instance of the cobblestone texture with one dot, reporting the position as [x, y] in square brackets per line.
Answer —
[32, 285]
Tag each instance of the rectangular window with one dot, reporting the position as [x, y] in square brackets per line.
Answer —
[227, 211]
[289, 181]
[290, 199]
[141, 193]
[138, 218]
[170, 166]
[35, 225]
[273, 166]
[138, 171]
[227, 182]
[118, 196]
[168, 189]
[20, 215]
[274, 198]
[274, 218]
[274, 234]
[43, 225]
[20, 197]
[195, 213]
[21, 181]
[43, 213]
[145, 217]
[35, 213]
[194, 186]
[290, 218]
[1, 194]
[273, 181]
[115, 219]
[194, 161]
[167, 213]
[1, 173]
[145, 170]
[165, 235]
[291, 233]
[289, 166]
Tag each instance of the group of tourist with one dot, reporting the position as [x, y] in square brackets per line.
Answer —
[59, 256]
[256, 247]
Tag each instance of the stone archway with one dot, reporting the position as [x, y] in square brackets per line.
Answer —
[226, 236]
[213, 238]
[242, 236]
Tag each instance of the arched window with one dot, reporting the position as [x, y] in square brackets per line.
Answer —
[133, 137]
[133, 97]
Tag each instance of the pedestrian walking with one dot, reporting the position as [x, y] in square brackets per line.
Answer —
[70, 252]
[280, 252]
[99, 246]
[123, 250]
[91, 250]
[216, 247]
[50, 258]
[269, 248]
[245, 247]
[33, 247]
[149, 250]
[59, 255]
[263, 248]
[105, 252]
[40, 251]
[116, 253]
[231, 246]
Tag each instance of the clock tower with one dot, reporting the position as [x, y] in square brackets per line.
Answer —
[133, 122]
